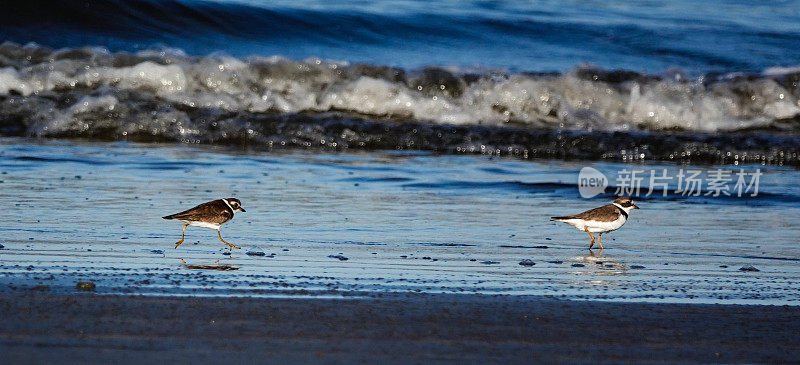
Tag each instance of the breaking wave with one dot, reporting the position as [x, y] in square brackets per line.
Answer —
[587, 112]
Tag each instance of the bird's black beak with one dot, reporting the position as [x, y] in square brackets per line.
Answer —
[242, 209]
[635, 207]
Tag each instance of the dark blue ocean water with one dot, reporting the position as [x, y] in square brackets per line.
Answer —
[644, 36]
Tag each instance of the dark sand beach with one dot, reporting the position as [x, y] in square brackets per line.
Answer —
[39, 327]
[378, 257]
[395, 266]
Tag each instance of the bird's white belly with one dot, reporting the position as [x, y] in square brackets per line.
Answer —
[203, 224]
[597, 226]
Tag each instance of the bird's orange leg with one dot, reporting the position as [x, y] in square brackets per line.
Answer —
[598, 241]
[231, 246]
[590, 235]
[182, 234]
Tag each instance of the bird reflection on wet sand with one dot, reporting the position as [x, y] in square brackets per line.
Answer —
[217, 266]
[596, 263]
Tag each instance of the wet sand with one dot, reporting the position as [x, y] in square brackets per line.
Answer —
[333, 244]
[404, 222]
[42, 327]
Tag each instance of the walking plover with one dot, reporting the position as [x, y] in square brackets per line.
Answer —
[212, 215]
[601, 220]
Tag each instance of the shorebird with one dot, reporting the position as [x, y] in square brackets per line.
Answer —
[211, 214]
[601, 220]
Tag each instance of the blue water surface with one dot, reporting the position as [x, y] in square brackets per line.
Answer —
[646, 36]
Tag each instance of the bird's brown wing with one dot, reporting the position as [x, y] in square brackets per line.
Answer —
[215, 211]
[606, 213]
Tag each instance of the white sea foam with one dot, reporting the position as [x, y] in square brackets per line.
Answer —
[259, 85]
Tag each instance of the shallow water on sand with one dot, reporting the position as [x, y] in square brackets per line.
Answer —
[403, 221]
